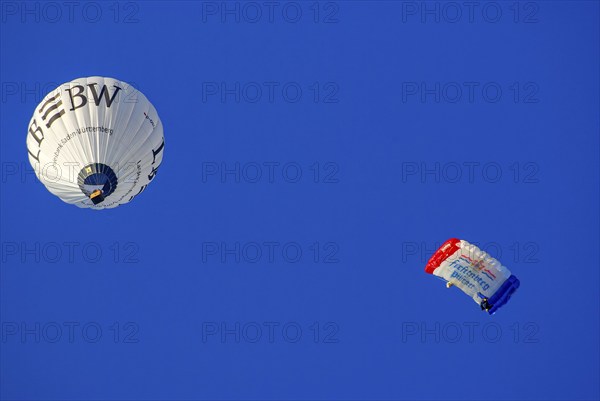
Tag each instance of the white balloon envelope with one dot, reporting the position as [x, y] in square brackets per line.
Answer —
[95, 142]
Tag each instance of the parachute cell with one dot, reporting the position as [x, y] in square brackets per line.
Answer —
[476, 273]
[95, 142]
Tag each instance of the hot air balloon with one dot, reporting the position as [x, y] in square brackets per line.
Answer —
[475, 272]
[95, 142]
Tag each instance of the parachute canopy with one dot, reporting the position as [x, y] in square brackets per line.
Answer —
[476, 273]
[95, 142]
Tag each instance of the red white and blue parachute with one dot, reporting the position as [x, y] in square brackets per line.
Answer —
[476, 273]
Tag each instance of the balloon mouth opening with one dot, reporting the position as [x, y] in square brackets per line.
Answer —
[97, 181]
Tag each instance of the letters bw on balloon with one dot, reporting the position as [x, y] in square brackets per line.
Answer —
[95, 142]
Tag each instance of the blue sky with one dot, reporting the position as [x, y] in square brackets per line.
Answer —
[315, 156]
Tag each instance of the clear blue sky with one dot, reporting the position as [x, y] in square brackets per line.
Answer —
[315, 155]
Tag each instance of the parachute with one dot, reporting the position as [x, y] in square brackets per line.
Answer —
[476, 273]
[95, 142]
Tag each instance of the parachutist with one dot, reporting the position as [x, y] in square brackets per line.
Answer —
[485, 305]
[449, 284]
